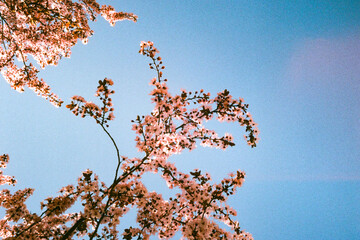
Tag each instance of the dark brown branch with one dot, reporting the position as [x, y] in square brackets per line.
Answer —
[72, 229]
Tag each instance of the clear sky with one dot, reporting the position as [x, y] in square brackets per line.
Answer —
[295, 62]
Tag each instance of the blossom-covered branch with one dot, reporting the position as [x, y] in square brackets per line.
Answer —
[45, 30]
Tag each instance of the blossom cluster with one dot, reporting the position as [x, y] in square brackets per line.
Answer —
[176, 123]
[5, 179]
[45, 30]
[102, 114]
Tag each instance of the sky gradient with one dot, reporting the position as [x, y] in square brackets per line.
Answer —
[296, 63]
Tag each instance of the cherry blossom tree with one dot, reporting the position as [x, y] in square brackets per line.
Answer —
[176, 124]
[170, 128]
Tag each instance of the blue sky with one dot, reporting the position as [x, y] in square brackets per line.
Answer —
[295, 62]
